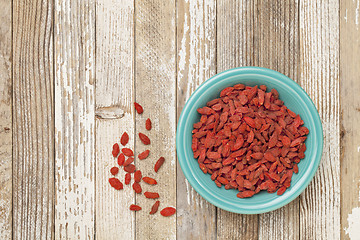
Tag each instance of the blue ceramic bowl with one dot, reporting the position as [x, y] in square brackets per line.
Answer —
[294, 97]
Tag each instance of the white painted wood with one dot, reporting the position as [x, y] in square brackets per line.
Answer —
[196, 62]
[33, 120]
[74, 119]
[319, 76]
[115, 114]
[350, 115]
[155, 86]
[5, 121]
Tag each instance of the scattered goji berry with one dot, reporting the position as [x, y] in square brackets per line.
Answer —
[127, 152]
[145, 139]
[151, 195]
[124, 139]
[115, 183]
[137, 187]
[159, 163]
[130, 168]
[134, 207]
[137, 176]
[168, 211]
[155, 207]
[114, 170]
[138, 108]
[116, 150]
[128, 161]
[121, 159]
[127, 178]
[148, 124]
[144, 154]
[149, 180]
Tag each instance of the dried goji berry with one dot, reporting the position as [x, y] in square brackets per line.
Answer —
[130, 168]
[121, 159]
[116, 150]
[127, 178]
[115, 183]
[124, 139]
[137, 176]
[159, 163]
[127, 152]
[114, 170]
[151, 195]
[148, 124]
[145, 139]
[138, 108]
[128, 161]
[134, 207]
[137, 187]
[144, 154]
[168, 211]
[155, 207]
[149, 180]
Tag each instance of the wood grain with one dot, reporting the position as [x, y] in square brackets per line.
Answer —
[5, 120]
[155, 86]
[114, 94]
[277, 47]
[319, 76]
[350, 113]
[196, 62]
[33, 120]
[75, 119]
[235, 48]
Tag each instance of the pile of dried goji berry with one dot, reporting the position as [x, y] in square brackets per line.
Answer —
[249, 140]
[130, 168]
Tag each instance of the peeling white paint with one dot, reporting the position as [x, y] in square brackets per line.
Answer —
[353, 229]
[345, 17]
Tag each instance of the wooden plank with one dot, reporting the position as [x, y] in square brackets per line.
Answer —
[33, 120]
[114, 93]
[196, 48]
[319, 76]
[350, 115]
[155, 86]
[277, 47]
[74, 119]
[5, 121]
[235, 48]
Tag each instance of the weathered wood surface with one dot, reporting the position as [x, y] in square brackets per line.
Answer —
[74, 56]
[319, 76]
[5, 120]
[155, 73]
[98, 57]
[114, 96]
[33, 120]
[350, 115]
[196, 62]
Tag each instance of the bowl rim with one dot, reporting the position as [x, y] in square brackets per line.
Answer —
[180, 143]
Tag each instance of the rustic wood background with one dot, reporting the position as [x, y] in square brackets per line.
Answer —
[64, 61]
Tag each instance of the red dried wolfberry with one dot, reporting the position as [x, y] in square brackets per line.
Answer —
[124, 139]
[115, 183]
[137, 176]
[151, 195]
[114, 170]
[130, 168]
[138, 108]
[137, 187]
[148, 124]
[145, 140]
[149, 180]
[116, 150]
[128, 161]
[134, 207]
[127, 178]
[159, 163]
[127, 152]
[144, 154]
[155, 207]
[121, 159]
[168, 211]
